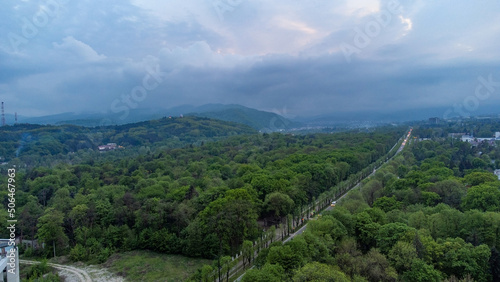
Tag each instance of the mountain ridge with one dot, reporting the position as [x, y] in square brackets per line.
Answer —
[257, 119]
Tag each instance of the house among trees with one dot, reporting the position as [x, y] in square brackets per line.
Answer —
[478, 140]
[108, 147]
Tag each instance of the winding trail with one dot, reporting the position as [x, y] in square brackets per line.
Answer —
[81, 274]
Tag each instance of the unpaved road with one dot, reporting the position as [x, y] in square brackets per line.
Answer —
[82, 275]
[86, 273]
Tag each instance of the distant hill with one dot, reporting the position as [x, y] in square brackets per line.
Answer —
[259, 120]
[29, 140]
[95, 119]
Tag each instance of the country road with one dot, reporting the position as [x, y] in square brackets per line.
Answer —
[301, 230]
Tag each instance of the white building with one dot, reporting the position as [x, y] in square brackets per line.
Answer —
[107, 147]
[9, 264]
[467, 138]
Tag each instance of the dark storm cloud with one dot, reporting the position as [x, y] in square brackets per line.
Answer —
[100, 56]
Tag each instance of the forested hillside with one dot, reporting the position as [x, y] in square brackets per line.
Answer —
[199, 201]
[431, 214]
[259, 120]
[38, 145]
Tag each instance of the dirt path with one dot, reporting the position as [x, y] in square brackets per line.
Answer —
[101, 274]
[82, 275]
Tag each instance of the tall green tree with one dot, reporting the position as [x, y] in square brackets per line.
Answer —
[232, 218]
[29, 216]
[50, 230]
[421, 272]
[286, 258]
[483, 197]
[247, 252]
[270, 272]
[316, 271]
[279, 204]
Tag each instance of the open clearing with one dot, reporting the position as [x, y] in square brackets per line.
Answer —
[151, 266]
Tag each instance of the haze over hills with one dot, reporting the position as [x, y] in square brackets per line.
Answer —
[259, 120]
[373, 118]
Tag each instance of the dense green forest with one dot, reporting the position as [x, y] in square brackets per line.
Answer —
[37, 145]
[199, 201]
[431, 214]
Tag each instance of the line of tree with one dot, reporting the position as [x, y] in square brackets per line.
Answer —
[426, 216]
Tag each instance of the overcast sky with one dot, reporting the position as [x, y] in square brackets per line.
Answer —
[293, 57]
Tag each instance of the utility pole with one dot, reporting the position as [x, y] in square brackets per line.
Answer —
[3, 116]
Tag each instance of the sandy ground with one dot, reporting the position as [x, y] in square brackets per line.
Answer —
[99, 274]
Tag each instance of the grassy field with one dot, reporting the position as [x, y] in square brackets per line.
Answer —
[150, 266]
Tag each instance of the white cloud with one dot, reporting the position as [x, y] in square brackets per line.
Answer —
[78, 49]
[408, 23]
